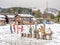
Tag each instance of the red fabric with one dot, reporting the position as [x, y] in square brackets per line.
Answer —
[21, 28]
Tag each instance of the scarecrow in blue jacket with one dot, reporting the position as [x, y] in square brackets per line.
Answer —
[11, 28]
[30, 29]
[35, 29]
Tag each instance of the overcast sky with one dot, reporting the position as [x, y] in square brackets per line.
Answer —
[40, 4]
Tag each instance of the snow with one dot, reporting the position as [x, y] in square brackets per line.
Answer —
[6, 38]
[25, 15]
[11, 16]
[2, 19]
[2, 16]
[56, 33]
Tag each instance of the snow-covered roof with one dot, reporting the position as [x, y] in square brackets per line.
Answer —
[34, 18]
[2, 19]
[11, 16]
[25, 15]
[2, 16]
[35, 9]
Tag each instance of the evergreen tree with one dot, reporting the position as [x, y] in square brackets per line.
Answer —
[37, 13]
[58, 17]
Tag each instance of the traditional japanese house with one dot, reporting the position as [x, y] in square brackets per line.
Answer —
[26, 18]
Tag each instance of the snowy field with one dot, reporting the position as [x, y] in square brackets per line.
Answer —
[6, 38]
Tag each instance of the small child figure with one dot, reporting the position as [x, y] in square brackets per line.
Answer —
[49, 34]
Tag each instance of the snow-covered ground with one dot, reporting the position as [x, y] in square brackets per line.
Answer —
[6, 38]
